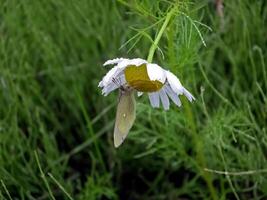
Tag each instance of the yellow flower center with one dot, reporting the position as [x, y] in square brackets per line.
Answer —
[137, 78]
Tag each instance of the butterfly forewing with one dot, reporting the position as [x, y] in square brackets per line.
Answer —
[125, 117]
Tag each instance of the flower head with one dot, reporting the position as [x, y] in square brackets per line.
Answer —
[137, 74]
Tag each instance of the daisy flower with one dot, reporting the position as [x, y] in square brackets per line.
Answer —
[139, 75]
[130, 75]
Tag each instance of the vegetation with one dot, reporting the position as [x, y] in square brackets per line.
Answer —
[56, 128]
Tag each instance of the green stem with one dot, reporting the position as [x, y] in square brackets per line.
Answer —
[200, 157]
[159, 35]
[43, 176]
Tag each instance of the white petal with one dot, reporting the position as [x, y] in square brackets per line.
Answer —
[155, 72]
[114, 61]
[139, 94]
[100, 84]
[112, 75]
[164, 99]
[174, 97]
[114, 85]
[174, 83]
[154, 99]
[135, 62]
[125, 62]
[108, 77]
[188, 95]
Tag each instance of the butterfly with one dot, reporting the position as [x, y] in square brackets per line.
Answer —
[125, 116]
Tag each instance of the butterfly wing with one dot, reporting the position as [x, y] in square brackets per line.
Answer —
[125, 117]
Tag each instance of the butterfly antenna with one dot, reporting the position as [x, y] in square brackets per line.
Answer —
[115, 81]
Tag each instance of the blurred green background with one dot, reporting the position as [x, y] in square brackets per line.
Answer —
[56, 128]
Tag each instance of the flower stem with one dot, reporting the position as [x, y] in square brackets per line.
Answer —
[159, 35]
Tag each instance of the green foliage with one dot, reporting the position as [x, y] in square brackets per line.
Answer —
[56, 128]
